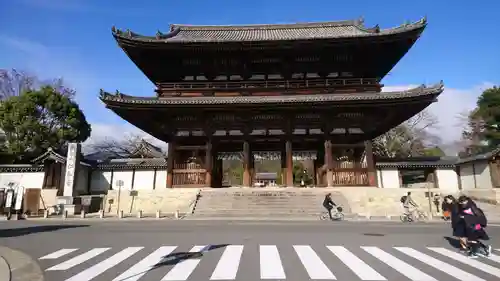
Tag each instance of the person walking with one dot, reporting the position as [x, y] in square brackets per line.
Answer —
[475, 222]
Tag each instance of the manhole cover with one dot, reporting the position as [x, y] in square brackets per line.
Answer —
[373, 234]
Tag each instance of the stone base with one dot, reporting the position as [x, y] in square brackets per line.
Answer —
[70, 208]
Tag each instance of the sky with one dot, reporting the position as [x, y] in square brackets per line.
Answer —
[72, 39]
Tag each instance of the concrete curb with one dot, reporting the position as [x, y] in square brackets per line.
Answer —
[4, 270]
[21, 266]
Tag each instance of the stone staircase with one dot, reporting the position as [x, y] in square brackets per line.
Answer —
[265, 202]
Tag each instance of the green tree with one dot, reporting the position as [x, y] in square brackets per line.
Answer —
[488, 110]
[39, 119]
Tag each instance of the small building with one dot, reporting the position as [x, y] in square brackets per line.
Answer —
[266, 179]
[480, 171]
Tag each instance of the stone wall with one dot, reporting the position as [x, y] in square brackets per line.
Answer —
[149, 201]
[383, 202]
[490, 196]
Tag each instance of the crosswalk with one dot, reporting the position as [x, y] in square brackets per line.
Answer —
[267, 262]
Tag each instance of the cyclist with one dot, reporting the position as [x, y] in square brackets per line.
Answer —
[408, 204]
[329, 204]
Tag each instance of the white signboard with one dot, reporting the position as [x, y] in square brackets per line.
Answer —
[71, 168]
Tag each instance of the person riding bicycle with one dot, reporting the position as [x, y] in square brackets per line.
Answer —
[408, 204]
[329, 204]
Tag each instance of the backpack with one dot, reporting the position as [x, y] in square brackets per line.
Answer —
[482, 218]
[403, 199]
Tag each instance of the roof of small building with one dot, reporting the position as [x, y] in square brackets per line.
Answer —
[417, 162]
[483, 156]
[418, 92]
[52, 154]
[133, 163]
[266, 176]
[180, 33]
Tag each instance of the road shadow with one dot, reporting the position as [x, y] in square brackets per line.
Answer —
[177, 257]
[454, 242]
[21, 231]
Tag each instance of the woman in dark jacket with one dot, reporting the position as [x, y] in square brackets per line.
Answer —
[457, 223]
[474, 222]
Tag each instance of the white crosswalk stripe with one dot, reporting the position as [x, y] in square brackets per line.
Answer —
[228, 263]
[58, 254]
[183, 269]
[270, 263]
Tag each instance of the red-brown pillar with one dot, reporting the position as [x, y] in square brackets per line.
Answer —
[246, 164]
[329, 163]
[370, 163]
[208, 163]
[289, 163]
[170, 164]
[283, 165]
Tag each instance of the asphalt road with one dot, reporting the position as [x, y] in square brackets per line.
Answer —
[220, 250]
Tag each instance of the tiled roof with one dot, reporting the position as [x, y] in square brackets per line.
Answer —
[146, 149]
[417, 162]
[53, 155]
[270, 32]
[483, 156]
[133, 163]
[421, 91]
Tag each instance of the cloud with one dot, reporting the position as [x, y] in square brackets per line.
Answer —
[451, 103]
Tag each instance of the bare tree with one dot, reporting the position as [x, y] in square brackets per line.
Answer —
[14, 82]
[410, 138]
[117, 148]
[129, 147]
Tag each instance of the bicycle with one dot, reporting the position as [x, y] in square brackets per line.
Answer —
[416, 215]
[336, 216]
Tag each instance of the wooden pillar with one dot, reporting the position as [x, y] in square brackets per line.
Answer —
[246, 164]
[370, 162]
[170, 164]
[283, 165]
[208, 163]
[329, 163]
[289, 163]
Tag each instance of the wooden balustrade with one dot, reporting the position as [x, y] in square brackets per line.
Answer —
[349, 173]
[267, 84]
[188, 174]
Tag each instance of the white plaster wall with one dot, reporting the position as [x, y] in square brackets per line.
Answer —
[27, 179]
[161, 179]
[447, 179]
[100, 181]
[483, 175]
[125, 176]
[467, 176]
[389, 178]
[144, 179]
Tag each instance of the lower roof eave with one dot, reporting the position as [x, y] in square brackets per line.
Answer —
[419, 94]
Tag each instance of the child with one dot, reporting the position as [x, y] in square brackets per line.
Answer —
[475, 222]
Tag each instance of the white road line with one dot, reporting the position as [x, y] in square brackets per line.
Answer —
[57, 254]
[359, 267]
[439, 265]
[468, 261]
[314, 266]
[228, 265]
[270, 263]
[494, 258]
[92, 272]
[141, 268]
[405, 269]
[78, 259]
[183, 269]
